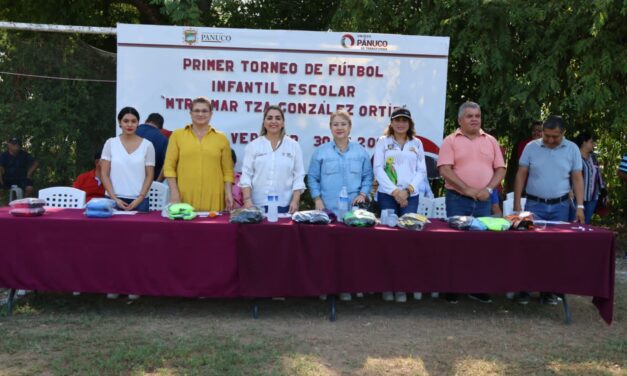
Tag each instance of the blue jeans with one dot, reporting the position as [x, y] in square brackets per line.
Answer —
[588, 209]
[388, 202]
[550, 212]
[142, 208]
[282, 209]
[457, 204]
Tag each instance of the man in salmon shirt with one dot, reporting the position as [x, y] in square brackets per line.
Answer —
[472, 165]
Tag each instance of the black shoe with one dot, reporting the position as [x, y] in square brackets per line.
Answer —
[522, 298]
[548, 298]
[483, 298]
[451, 298]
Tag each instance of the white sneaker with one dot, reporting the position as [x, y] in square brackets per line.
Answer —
[345, 297]
[417, 296]
[388, 296]
[359, 295]
[400, 297]
[133, 297]
[435, 295]
[112, 296]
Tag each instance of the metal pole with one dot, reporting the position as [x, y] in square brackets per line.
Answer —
[58, 28]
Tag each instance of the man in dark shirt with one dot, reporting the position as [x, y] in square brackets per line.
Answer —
[150, 131]
[17, 168]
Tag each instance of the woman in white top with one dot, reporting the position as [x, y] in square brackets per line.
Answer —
[127, 164]
[400, 170]
[273, 165]
[399, 165]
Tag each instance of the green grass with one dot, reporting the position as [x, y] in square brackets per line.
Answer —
[59, 334]
[66, 344]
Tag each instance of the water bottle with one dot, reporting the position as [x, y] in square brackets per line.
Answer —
[342, 204]
[273, 207]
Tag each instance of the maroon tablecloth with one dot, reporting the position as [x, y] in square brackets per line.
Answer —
[141, 254]
[286, 259]
[149, 255]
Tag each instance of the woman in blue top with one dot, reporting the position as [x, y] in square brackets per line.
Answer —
[338, 164]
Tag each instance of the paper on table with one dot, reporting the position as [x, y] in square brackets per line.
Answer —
[542, 221]
[124, 212]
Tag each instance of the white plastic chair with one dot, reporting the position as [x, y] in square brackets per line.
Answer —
[15, 193]
[439, 208]
[158, 196]
[63, 197]
[508, 205]
[425, 206]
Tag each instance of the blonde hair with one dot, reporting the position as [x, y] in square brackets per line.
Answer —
[203, 100]
[343, 114]
[265, 113]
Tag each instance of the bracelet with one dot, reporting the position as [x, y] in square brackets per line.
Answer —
[580, 207]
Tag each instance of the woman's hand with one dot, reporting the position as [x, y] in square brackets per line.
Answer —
[248, 203]
[293, 206]
[359, 199]
[121, 204]
[319, 204]
[174, 197]
[228, 200]
[400, 195]
[135, 203]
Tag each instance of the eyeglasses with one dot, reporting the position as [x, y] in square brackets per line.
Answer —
[200, 111]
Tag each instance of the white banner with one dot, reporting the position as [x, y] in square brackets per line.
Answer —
[309, 74]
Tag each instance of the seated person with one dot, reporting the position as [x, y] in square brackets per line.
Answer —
[90, 181]
[17, 168]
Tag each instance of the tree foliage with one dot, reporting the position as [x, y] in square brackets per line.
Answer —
[521, 60]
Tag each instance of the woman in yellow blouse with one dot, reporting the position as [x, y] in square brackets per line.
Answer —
[198, 164]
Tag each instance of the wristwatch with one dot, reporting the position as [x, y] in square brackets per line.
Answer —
[580, 206]
[490, 190]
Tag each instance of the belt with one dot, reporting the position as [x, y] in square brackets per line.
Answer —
[548, 201]
[459, 194]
